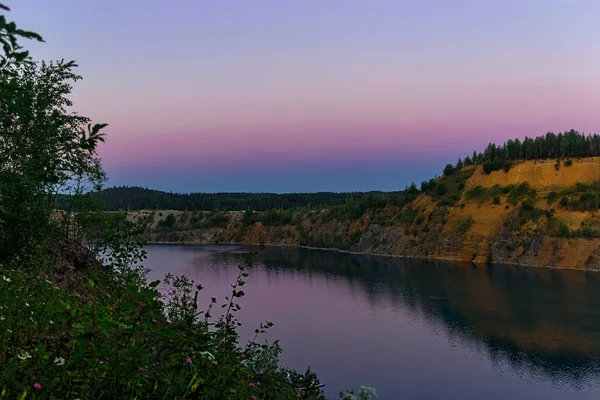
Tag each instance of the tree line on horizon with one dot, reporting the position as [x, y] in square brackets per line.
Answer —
[551, 145]
[138, 198]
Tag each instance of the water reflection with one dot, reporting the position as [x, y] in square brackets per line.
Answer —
[421, 328]
[541, 322]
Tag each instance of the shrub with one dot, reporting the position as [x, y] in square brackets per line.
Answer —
[216, 220]
[568, 163]
[463, 225]
[507, 166]
[497, 200]
[449, 170]
[441, 189]
[507, 189]
[564, 201]
[491, 166]
[135, 340]
[527, 204]
[523, 188]
[551, 198]
[428, 185]
[563, 230]
[448, 201]
[184, 217]
[168, 222]
[475, 192]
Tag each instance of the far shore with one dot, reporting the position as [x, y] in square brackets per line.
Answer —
[450, 259]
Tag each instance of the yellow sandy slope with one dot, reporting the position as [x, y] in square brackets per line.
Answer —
[540, 174]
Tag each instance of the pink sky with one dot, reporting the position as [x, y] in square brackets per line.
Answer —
[222, 87]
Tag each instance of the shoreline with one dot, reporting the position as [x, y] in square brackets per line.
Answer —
[448, 259]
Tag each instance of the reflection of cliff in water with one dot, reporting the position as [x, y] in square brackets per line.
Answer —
[543, 323]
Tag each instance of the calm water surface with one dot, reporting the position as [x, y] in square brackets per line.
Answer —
[413, 329]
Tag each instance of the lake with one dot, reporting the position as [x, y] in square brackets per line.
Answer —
[412, 329]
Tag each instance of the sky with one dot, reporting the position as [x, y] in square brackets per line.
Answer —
[317, 95]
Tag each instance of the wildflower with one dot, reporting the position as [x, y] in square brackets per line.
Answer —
[258, 384]
[141, 369]
[251, 384]
[153, 348]
[27, 304]
[232, 391]
[25, 355]
[2, 318]
[154, 321]
[184, 302]
[252, 397]
[6, 279]
[51, 322]
[37, 386]
[188, 361]
[59, 361]
[214, 363]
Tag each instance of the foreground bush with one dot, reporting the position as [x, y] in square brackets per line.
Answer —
[87, 336]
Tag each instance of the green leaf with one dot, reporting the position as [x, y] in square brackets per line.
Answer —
[64, 318]
[168, 333]
[92, 362]
[154, 284]
[91, 283]
[28, 35]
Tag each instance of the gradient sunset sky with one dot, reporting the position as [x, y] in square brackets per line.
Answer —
[317, 95]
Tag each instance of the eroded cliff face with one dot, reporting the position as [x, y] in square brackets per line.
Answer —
[541, 213]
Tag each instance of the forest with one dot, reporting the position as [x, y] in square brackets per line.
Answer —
[548, 146]
[137, 198]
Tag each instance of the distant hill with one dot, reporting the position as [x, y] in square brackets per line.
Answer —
[138, 198]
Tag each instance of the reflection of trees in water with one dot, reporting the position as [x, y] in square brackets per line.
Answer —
[542, 323]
